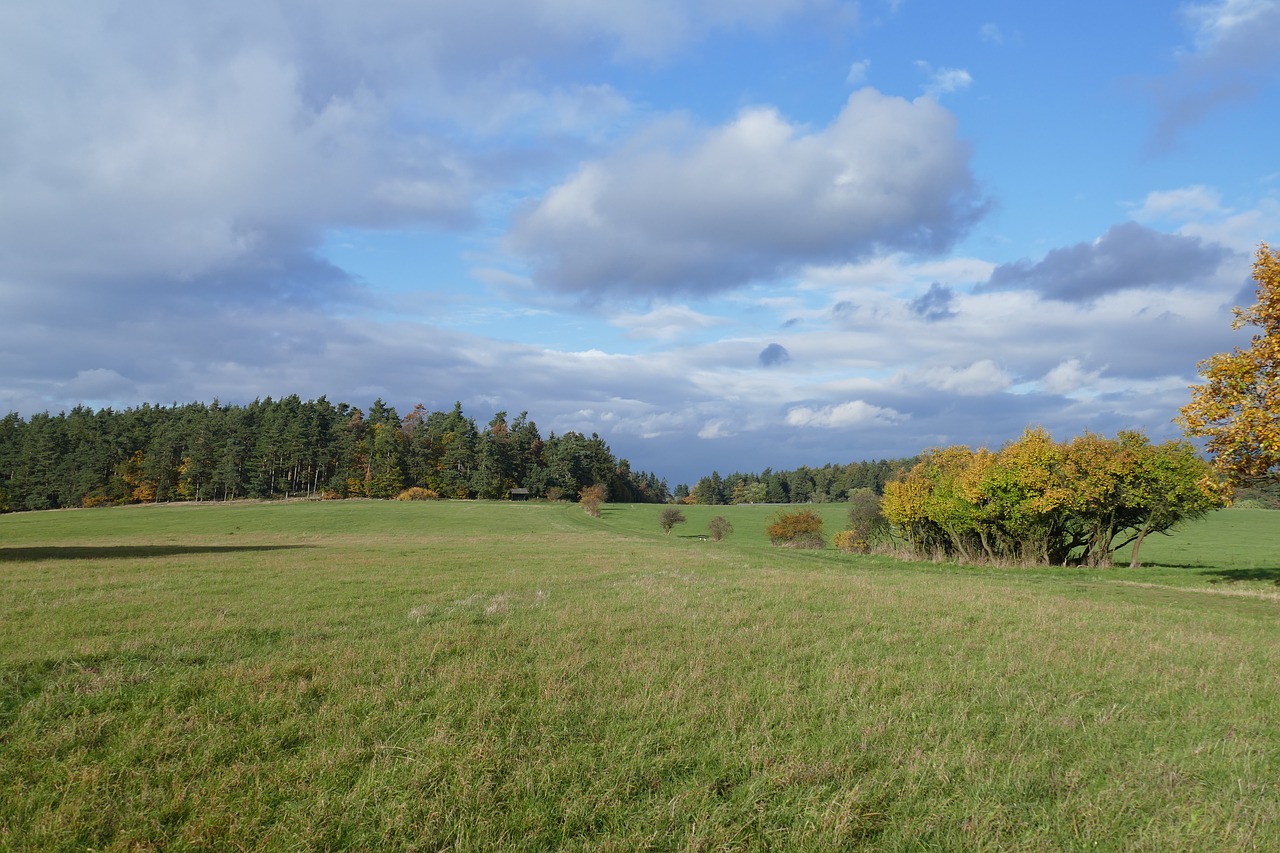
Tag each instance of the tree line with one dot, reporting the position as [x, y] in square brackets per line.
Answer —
[294, 448]
[832, 483]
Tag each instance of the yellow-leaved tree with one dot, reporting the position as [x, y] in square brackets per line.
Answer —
[1237, 409]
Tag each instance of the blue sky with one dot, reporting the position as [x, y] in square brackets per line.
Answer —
[723, 235]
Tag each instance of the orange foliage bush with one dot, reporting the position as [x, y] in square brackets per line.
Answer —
[417, 493]
[801, 529]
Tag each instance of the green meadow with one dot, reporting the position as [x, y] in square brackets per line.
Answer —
[468, 675]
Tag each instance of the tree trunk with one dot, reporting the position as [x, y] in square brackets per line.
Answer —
[1134, 563]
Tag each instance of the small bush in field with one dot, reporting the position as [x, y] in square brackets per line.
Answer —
[670, 518]
[555, 493]
[801, 529]
[866, 519]
[591, 497]
[850, 542]
[417, 493]
[719, 527]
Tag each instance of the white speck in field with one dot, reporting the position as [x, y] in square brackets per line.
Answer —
[498, 604]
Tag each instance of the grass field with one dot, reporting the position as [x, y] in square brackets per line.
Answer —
[454, 675]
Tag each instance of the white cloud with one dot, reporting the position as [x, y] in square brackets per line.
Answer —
[1241, 229]
[944, 81]
[855, 413]
[858, 72]
[666, 323]
[1182, 204]
[98, 384]
[717, 428]
[991, 33]
[702, 210]
[1068, 376]
[897, 272]
[980, 378]
[1226, 21]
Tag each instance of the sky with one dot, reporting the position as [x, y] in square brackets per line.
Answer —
[723, 235]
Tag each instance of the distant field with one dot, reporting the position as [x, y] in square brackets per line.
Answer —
[459, 675]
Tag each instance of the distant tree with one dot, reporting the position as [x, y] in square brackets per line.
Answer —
[776, 491]
[719, 527]
[494, 471]
[1238, 407]
[669, 518]
[384, 478]
[710, 491]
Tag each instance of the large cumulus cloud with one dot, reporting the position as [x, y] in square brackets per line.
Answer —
[701, 210]
[153, 147]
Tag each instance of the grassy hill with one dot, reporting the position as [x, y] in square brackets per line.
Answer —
[477, 675]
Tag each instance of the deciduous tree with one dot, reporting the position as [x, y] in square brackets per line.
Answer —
[1237, 409]
[670, 518]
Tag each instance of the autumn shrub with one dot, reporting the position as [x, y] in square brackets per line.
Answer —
[591, 497]
[331, 495]
[850, 542]
[555, 493]
[89, 501]
[417, 493]
[801, 529]
[719, 527]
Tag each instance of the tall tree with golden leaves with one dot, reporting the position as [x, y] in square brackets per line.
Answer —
[1238, 407]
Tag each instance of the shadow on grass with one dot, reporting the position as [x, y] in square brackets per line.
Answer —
[1236, 575]
[1156, 564]
[126, 552]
